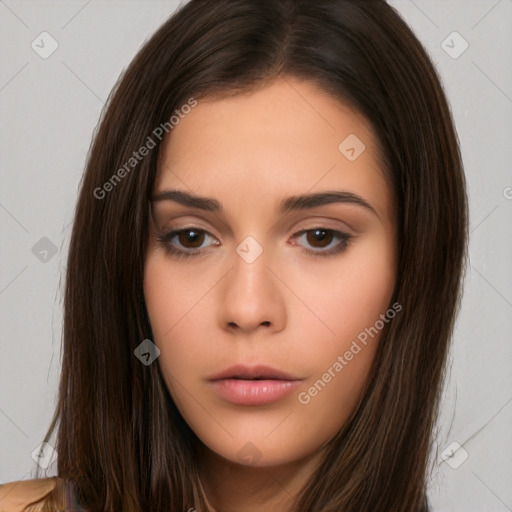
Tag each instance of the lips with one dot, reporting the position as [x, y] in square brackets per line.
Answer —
[257, 372]
[253, 385]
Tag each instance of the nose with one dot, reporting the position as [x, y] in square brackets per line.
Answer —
[251, 297]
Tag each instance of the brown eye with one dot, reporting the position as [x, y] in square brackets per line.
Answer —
[191, 236]
[322, 238]
[185, 242]
[319, 237]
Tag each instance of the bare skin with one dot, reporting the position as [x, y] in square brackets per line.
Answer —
[288, 308]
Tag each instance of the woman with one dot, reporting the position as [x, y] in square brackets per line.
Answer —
[264, 270]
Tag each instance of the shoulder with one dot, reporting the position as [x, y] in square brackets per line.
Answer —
[14, 496]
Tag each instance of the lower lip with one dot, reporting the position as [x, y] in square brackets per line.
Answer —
[254, 392]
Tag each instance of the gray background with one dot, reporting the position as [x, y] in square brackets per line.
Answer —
[49, 108]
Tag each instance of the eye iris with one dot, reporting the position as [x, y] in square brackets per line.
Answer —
[191, 236]
[319, 235]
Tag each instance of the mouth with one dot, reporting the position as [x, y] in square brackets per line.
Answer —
[252, 386]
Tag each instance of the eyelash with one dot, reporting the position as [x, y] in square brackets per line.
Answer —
[164, 239]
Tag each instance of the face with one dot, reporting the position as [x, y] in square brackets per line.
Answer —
[296, 297]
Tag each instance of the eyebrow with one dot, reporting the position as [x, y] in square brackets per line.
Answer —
[293, 203]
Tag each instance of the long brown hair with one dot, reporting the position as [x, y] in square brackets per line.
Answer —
[120, 438]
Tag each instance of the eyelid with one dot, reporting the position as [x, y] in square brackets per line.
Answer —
[313, 221]
[164, 217]
[352, 221]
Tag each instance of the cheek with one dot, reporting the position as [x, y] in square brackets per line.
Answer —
[339, 359]
[362, 293]
[175, 305]
[347, 296]
[171, 296]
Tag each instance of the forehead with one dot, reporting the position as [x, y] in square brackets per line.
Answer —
[289, 136]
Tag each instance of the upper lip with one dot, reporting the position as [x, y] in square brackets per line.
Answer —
[260, 371]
